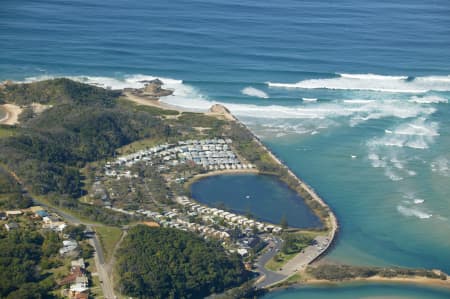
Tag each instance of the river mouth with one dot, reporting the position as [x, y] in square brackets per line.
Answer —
[264, 197]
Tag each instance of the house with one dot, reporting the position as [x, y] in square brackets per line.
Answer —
[14, 213]
[41, 213]
[50, 219]
[34, 209]
[72, 277]
[57, 226]
[77, 280]
[69, 247]
[277, 229]
[78, 263]
[11, 226]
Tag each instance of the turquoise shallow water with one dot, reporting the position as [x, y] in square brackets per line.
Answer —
[298, 73]
[368, 291]
[258, 195]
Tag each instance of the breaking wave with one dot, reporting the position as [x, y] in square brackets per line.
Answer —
[184, 95]
[428, 100]
[254, 92]
[373, 82]
[309, 100]
[417, 134]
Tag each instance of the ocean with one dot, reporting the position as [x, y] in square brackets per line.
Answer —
[352, 95]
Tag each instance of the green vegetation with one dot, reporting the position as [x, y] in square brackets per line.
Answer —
[11, 196]
[245, 291]
[148, 109]
[75, 232]
[24, 257]
[109, 237]
[344, 272]
[294, 243]
[83, 125]
[57, 91]
[169, 263]
[7, 131]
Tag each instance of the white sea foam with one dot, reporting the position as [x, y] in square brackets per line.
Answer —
[184, 95]
[377, 161]
[411, 173]
[418, 134]
[254, 92]
[392, 175]
[441, 165]
[372, 82]
[358, 101]
[428, 100]
[409, 212]
[309, 100]
[187, 96]
[314, 117]
[132, 81]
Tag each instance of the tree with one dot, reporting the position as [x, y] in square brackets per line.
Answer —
[75, 231]
[169, 263]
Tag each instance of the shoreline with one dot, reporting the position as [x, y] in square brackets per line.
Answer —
[417, 281]
[201, 176]
[330, 222]
[140, 100]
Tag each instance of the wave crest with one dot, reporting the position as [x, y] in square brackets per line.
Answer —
[373, 82]
[254, 92]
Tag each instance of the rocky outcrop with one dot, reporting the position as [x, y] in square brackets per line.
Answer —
[217, 108]
[6, 83]
[221, 109]
[154, 88]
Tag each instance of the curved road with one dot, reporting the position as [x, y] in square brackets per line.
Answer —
[269, 277]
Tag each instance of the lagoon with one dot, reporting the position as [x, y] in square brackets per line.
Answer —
[263, 196]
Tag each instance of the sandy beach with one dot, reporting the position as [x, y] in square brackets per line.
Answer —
[151, 102]
[219, 172]
[12, 114]
[416, 280]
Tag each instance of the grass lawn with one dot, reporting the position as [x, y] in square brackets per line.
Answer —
[280, 259]
[6, 132]
[109, 236]
[275, 265]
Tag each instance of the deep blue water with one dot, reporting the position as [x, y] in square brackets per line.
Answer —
[257, 195]
[375, 147]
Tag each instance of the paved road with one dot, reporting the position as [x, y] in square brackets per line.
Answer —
[105, 281]
[307, 256]
[108, 290]
[269, 277]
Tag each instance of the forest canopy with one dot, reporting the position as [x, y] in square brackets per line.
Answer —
[169, 263]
